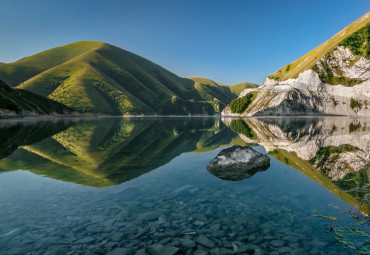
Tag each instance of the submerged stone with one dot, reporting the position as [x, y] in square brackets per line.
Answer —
[277, 243]
[121, 251]
[187, 243]
[238, 163]
[205, 241]
[158, 249]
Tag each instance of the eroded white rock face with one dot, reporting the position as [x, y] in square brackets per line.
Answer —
[308, 79]
[308, 95]
[343, 62]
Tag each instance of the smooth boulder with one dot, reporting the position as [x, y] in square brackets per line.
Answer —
[237, 163]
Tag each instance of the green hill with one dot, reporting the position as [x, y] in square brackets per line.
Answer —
[98, 77]
[350, 37]
[238, 88]
[18, 101]
[235, 89]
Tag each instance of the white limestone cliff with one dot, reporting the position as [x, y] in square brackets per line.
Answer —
[308, 95]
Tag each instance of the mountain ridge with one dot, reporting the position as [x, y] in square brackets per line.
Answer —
[96, 77]
[235, 89]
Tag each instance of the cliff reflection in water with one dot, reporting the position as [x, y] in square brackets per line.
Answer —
[105, 152]
[333, 151]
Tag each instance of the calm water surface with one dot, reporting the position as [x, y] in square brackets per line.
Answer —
[140, 186]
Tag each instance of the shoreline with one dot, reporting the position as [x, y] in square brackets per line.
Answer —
[97, 116]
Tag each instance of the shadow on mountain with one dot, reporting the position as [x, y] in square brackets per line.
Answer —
[333, 151]
[105, 152]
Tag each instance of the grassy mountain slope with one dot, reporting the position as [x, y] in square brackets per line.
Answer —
[25, 68]
[98, 77]
[235, 89]
[309, 60]
[18, 100]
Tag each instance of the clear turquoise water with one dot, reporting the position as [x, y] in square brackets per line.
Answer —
[173, 201]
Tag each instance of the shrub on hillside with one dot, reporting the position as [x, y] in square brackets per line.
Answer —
[358, 42]
[354, 103]
[241, 104]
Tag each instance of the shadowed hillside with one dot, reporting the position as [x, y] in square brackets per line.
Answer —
[15, 102]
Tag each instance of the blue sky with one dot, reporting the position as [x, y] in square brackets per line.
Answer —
[229, 41]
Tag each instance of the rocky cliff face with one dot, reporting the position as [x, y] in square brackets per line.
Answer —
[343, 63]
[337, 83]
[308, 95]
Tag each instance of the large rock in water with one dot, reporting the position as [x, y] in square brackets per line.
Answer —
[238, 163]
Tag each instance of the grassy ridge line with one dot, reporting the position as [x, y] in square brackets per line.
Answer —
[238, 88]
[25, 68]
[293, 69]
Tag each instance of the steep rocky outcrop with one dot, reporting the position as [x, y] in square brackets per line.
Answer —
[307, 95]
[337, 82]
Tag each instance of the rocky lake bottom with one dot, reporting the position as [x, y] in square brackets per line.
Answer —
[177, 208]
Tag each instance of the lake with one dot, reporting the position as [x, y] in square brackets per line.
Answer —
[140, 186]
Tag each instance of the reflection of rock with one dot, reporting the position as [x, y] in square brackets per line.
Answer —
[237, 163]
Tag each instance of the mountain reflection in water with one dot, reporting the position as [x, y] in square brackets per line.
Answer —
[333, 151]
[107, 152]
[160, 195]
